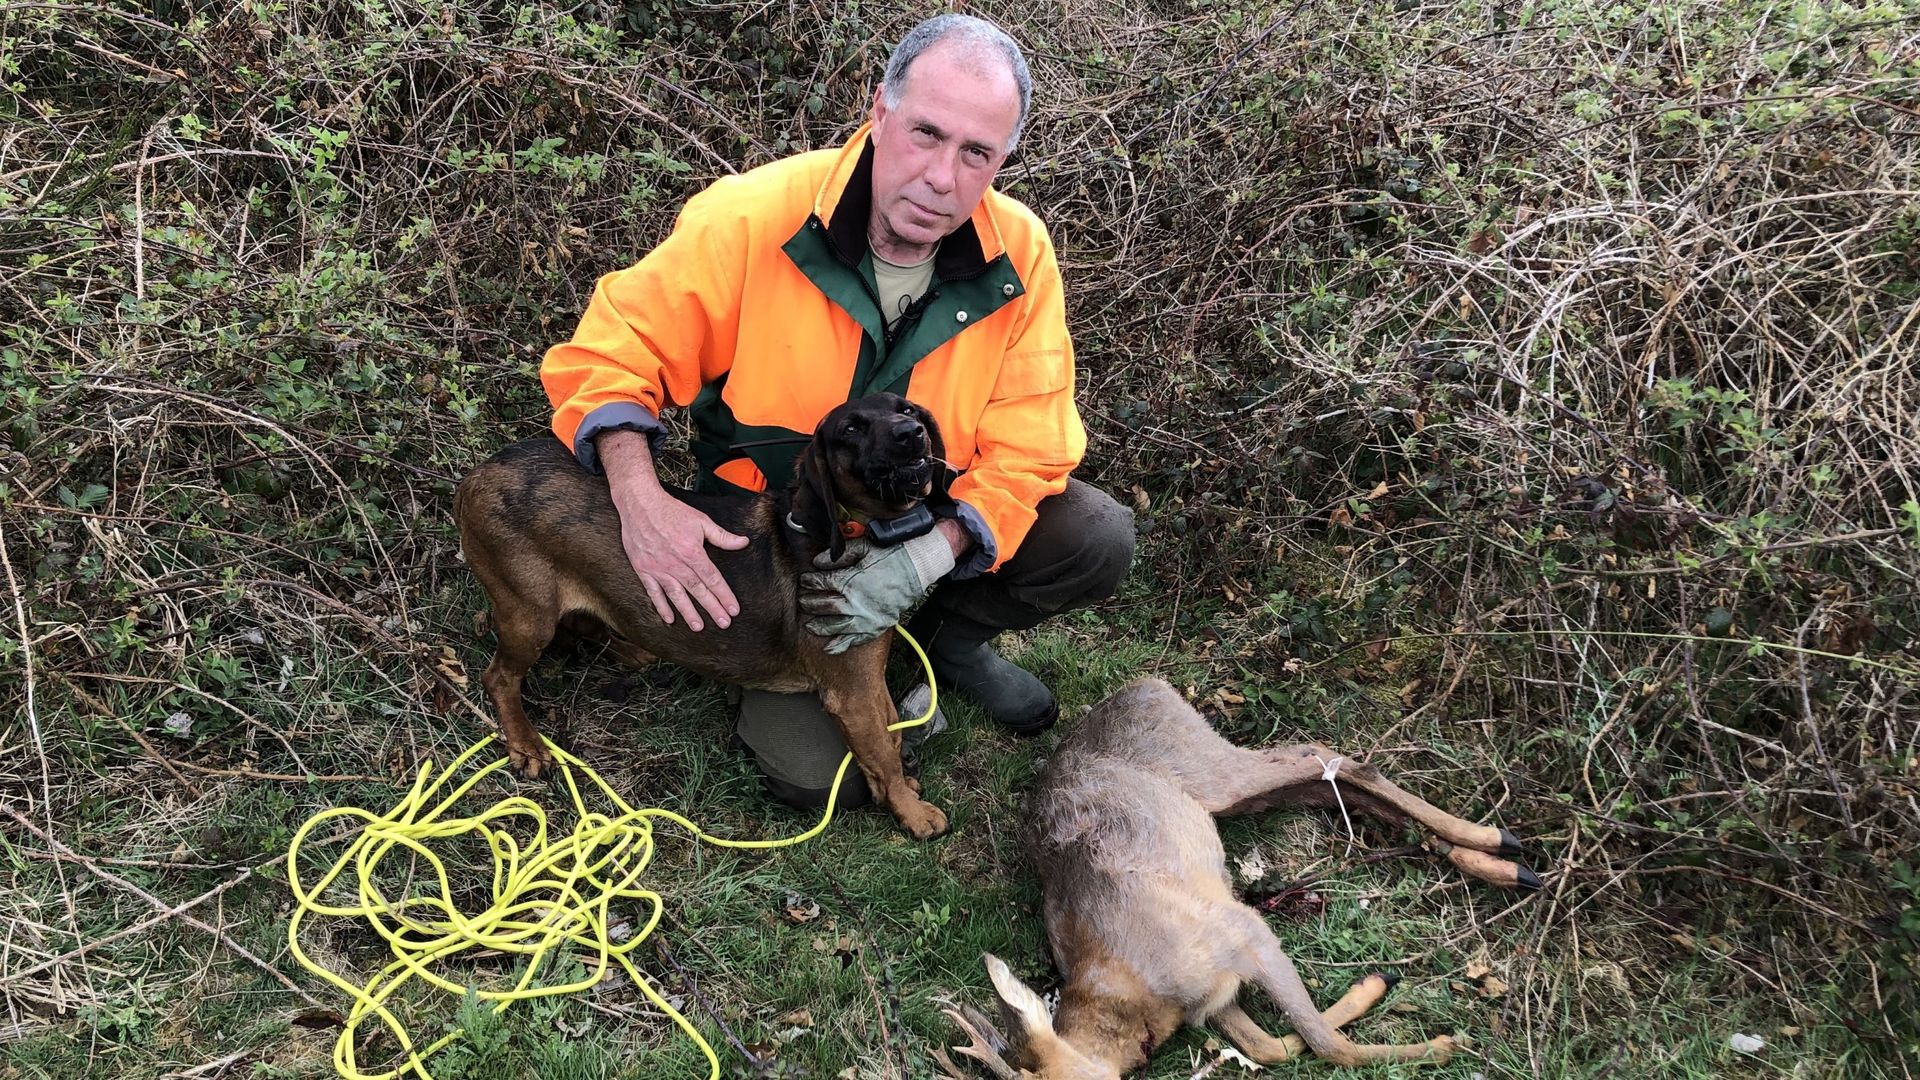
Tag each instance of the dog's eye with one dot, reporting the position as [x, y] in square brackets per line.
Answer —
[851, 429]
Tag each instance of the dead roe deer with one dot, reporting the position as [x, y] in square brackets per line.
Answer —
[1139, 912]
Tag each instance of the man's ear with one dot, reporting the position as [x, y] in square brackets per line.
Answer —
[1022, 1014]
[814, 500]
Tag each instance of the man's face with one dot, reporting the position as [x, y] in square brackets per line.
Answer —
[935, 154]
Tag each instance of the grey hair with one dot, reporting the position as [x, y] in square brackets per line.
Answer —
[977, 36]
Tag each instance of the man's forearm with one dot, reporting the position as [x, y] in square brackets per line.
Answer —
[628, 461]
[956, 535]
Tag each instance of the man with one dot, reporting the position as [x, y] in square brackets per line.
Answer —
[885, 264]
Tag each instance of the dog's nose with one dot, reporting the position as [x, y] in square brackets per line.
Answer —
[909, 432]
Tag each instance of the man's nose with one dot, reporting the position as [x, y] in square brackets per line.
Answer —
[940, 172]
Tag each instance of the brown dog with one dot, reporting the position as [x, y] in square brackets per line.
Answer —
[542, 535]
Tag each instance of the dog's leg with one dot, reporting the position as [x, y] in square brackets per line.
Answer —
[590, 629]
[524, 630]
[1254, 1041]
[853, 687]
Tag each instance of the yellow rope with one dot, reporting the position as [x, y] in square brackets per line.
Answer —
[547, 896]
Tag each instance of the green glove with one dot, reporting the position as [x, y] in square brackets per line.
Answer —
[862, 595]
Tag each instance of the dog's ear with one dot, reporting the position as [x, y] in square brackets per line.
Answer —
[814, 500]
[943, 473]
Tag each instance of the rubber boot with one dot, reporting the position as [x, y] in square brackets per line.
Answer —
[964, 662]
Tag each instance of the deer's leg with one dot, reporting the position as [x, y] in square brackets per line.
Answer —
[1254, 1042]
[1276, 975]
[1244, 781]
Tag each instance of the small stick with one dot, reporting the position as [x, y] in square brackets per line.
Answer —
[159, 905]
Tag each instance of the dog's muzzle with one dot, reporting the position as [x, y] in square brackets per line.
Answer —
[901, 482]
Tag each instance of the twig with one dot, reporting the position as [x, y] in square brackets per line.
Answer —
[124, 885]
[151, 921]
[719, 1019]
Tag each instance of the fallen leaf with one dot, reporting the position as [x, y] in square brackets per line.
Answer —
[1479, 969]
[1252, 866]
[1340, 516]
[1492, 987]
[573, 1030]
[1378, 490]
[799, 909]
[450, 666]
[802, 1018]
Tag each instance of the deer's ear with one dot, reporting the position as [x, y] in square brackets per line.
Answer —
[1022, 1012]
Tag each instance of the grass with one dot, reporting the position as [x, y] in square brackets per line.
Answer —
[856, 990]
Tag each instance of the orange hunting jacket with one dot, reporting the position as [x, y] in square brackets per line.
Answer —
[758, 313]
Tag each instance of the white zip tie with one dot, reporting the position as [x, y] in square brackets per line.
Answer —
[1329, 770]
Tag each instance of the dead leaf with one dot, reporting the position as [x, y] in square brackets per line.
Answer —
[1378, 490]
[1340, 517]
[1479, 969]
[799, 909]
[1492, 987]
[450, 666]
[802, 1018]
[1410, 692]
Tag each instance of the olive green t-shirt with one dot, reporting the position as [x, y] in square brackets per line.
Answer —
[899, 286]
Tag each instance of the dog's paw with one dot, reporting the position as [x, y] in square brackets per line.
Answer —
[921, 819]
[530, 764]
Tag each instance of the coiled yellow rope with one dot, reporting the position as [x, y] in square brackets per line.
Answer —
[549, 897]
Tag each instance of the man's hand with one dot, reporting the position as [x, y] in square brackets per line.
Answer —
[858, 598]
[665, 539]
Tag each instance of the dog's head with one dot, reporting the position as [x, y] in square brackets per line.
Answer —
[875, 457]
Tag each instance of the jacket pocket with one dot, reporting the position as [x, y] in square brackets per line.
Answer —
[1036, 371]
